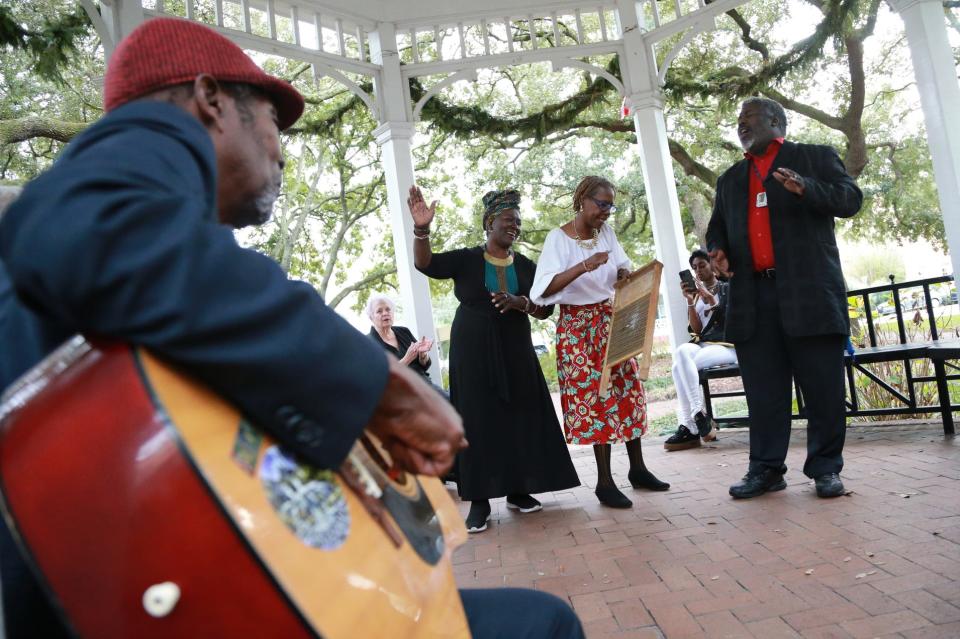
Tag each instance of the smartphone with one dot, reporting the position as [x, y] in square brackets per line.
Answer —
[687, 277]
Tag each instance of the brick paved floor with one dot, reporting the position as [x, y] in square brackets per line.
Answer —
[691, 562]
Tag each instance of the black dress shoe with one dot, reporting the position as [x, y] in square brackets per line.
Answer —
[478, 517]
[829, 485]
[682, 439]
[756, 483]
[611, 496]
[643, 478]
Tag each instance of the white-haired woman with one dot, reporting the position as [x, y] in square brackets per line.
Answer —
[397, 340]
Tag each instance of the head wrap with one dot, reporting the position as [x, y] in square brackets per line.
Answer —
[164, 52]
[496, 202]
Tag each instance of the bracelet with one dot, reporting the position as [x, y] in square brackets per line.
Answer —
[526, 307]
[585, 268]
[421, 233]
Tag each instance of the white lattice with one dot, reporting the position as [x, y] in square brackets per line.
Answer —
[294, 29]
[581, 30]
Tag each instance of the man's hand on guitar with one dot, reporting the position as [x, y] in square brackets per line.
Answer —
[417, 427]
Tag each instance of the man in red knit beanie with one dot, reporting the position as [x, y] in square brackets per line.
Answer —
[127, 236]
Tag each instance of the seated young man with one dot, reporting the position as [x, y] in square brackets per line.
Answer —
[706, 306]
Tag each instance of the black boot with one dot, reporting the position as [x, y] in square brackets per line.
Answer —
[607, 491]
[639, 476]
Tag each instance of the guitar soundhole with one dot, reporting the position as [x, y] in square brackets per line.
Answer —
[407, 503]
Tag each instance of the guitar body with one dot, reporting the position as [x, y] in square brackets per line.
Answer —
[149, 509]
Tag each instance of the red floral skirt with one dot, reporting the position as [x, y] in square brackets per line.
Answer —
[588, 416]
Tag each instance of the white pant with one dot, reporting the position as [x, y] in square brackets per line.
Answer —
[687, 361]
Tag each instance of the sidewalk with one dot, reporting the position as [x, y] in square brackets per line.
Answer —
[883, 561]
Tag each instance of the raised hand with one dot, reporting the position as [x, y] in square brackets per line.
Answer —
[421, 213]
[425, 344]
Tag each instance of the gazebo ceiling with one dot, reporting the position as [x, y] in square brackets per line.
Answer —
[405, 11]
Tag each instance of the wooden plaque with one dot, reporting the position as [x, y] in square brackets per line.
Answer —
[634, 315]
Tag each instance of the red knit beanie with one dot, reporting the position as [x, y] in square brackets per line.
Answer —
[165, 52]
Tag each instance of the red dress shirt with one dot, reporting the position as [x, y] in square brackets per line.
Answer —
[758, 217]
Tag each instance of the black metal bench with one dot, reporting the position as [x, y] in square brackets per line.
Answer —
[939, 352]
[733, 370]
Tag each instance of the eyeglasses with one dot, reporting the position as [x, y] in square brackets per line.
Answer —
[604, 205]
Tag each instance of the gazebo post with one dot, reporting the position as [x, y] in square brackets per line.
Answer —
[394, 136]
[116, 19]
[643, 95]
[936, 75]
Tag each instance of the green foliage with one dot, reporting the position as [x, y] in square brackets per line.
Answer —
[548, 364]
[873, 268]
[70, 94]
[734, 82]
[53, 43]
[329, 227]
[525, 126]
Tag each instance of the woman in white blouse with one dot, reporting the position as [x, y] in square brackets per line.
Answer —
[579, 265]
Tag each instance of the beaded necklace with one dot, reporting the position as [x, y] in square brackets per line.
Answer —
[589, 244]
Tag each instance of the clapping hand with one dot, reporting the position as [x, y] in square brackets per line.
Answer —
[424, 345]
[421, 213]
[412, 352]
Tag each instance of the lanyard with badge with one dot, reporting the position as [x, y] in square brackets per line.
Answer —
[762, 195]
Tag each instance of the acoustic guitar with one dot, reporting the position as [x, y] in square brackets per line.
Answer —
[150, 508]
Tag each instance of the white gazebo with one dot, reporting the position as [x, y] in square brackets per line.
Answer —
[451, 39]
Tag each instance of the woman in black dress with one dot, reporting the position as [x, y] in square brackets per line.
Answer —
[516, 443]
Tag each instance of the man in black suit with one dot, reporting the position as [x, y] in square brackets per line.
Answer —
[772, 231]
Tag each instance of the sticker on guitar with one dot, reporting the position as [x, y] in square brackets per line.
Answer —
[308, 500]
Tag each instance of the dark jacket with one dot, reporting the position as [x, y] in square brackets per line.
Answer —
[810, 288]
[120, 239]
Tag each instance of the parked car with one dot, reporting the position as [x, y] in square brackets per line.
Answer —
[540, 349]
[886, 308]
[911, 303]
[949, 298]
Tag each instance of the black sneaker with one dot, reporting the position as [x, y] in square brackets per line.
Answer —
[523, 503]
[682, 439]
[478, 517]
[706, 427]
[756, 483]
